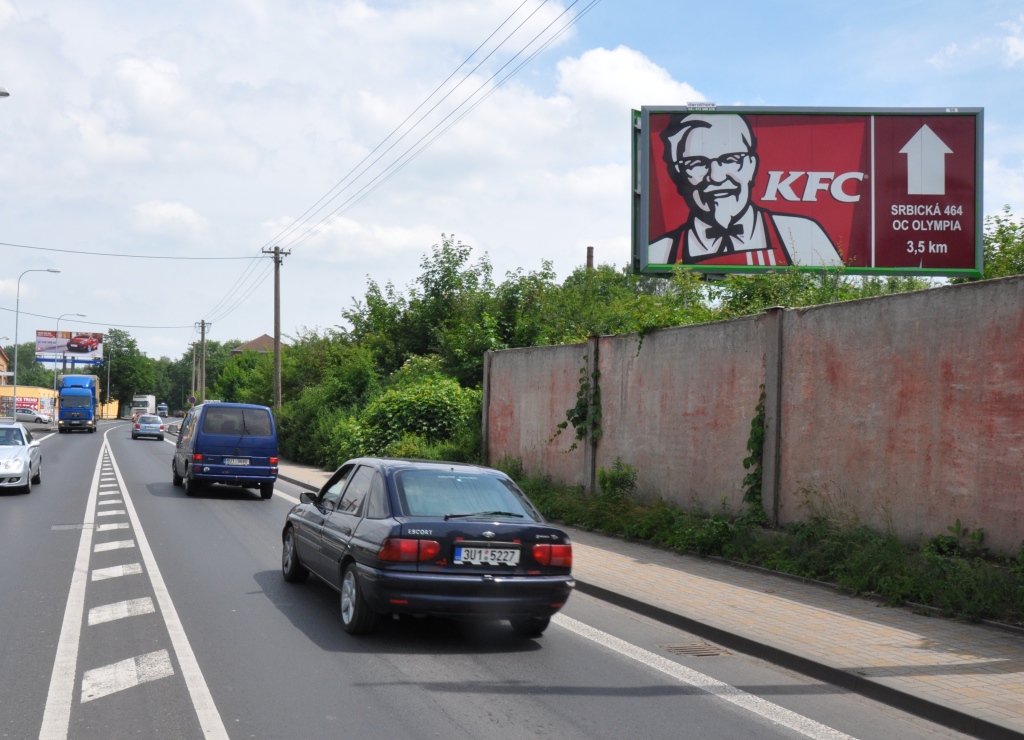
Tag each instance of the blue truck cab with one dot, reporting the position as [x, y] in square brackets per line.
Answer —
[78, 403]
[230, 443]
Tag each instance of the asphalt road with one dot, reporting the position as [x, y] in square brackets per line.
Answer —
[167, 617]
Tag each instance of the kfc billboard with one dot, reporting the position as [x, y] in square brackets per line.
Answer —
[890, 191]
[74, 347]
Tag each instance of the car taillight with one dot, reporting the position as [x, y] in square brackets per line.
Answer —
[402, 550]
[197, 457]
[555, 555]
[161, 427]
[273, 461]
[138, 426]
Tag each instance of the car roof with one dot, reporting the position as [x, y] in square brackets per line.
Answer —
[405, 463]
[16, 424]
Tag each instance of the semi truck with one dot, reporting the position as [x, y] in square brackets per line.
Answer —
[78, 401]
[143, 404]
[161, 409]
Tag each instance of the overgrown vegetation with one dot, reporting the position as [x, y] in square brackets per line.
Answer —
[951, 572]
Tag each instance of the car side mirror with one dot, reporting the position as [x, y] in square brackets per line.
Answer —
[33, 444]
[305, 498]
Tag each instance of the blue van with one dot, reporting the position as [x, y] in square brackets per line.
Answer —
[231, 443]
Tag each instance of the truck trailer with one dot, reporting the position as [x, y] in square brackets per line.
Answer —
[78, 401]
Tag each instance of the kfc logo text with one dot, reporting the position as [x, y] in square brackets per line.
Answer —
[781, 183]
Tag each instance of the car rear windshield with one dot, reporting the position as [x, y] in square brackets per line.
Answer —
[76, 402]
[448, 493]
[149, 419]
[240, 422]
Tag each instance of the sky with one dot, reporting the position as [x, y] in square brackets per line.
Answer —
[208, 129]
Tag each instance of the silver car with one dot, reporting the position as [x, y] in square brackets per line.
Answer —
[21, 459]
[148, 425]
[31, 415]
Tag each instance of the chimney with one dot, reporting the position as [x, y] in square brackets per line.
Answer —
[590, 258]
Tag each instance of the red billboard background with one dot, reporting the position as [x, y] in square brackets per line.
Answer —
[924, 231]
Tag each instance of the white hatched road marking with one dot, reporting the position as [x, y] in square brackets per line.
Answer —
[117, 545]
[116, 571]
[108, 527]
[115, 492]
[761, 707]
[112, 512]
[125, 674]
[111, 502]
[120, 610]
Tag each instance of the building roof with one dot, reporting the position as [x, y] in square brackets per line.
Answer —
[262, 344]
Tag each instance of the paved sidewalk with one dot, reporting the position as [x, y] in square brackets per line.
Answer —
[969, 677]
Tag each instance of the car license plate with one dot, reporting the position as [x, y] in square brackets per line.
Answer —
[486, 556]
[236, 461]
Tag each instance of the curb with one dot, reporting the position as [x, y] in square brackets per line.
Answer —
[938, 713]
[296, 482]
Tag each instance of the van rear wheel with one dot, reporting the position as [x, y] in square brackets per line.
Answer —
[192, 487]
[267, 489]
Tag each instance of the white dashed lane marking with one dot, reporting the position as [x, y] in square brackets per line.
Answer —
[116, 571]
[120, 610]
[118, 545]
[125, 674]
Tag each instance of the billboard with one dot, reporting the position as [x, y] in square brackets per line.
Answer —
[736, 189]
[69, 347]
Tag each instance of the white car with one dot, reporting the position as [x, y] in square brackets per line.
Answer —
[21, 459]
[39, 417]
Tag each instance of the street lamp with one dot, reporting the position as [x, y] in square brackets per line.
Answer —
[4, 93]
[17, 310]
[56, 336]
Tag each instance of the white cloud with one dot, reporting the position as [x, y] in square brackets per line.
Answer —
[621, 78]
[104, 145]
[946, 57]
[160, 216]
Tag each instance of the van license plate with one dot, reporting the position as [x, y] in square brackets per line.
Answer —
[486, 556]
[236, 461]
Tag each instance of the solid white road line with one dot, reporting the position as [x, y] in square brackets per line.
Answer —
[116, 571]
[202, 700]
[119, 545]
[57, 713]
[120, 610]
[755, 704]
[125, 674]
[112, 512]
[108, 527]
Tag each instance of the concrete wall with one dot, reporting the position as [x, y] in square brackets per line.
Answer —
[908, 411]
[526, 394]
[679, 411]
[905, 412]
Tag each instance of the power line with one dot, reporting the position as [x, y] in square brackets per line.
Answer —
[118, 254]
[302, 218]
[96, 323]
[366, 189]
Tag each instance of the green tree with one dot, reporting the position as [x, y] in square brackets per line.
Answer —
[30, 372]
[1004, 245]
[131, 371]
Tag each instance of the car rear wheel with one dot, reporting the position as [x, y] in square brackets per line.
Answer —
[175, 478]
[291, 568]
[357, 618]
[529, 626]
[38, 477]
[267, 489]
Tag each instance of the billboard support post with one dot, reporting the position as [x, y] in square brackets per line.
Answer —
[740, 190]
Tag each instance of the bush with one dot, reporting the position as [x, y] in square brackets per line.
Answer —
[434, 409]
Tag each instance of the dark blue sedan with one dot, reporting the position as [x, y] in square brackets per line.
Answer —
[445, 539]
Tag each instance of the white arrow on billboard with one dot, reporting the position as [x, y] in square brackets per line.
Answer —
[926, 163]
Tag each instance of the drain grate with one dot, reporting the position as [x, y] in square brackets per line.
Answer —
[58, 527]
[700, 649]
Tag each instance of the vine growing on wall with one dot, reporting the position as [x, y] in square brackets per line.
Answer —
[586, 413]
[754, 461]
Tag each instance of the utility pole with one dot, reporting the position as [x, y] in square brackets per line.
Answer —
[203, 326]
[279, 254]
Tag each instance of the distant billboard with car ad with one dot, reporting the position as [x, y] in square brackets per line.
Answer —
[746, 190]
[71, 347]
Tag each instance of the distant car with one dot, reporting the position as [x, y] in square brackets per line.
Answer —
[413, 537]
[21, 459]
[83, 344]
[148, 425]
[39, 417]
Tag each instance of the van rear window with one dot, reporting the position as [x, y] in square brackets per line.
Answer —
[237, 422]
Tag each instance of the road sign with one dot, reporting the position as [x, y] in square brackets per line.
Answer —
[730, 189]
[192, 400]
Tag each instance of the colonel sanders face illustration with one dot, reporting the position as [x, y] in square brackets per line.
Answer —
[711, 160]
